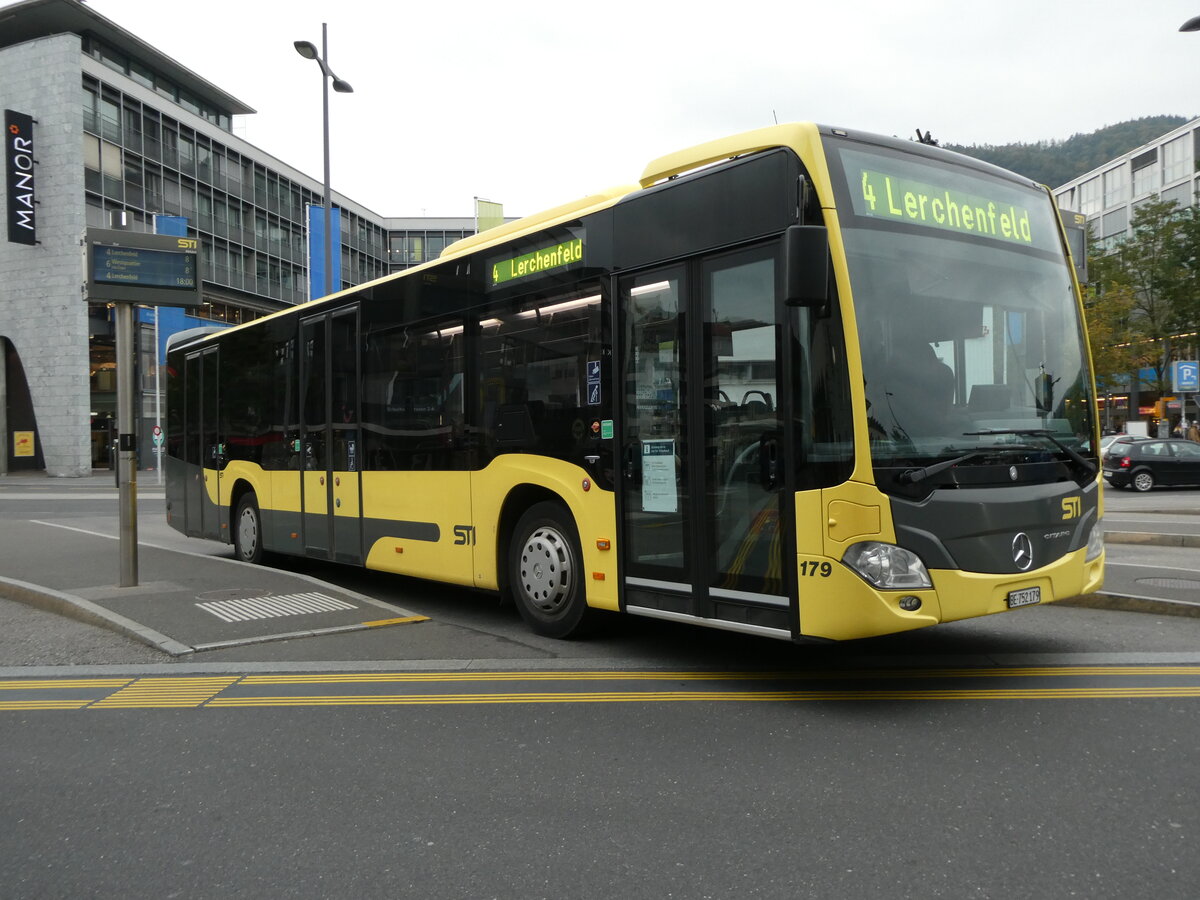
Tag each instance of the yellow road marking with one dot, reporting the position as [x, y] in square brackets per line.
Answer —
[847, 675]
[171, 691]
[62, 683]
[42, 704]
[711, 696]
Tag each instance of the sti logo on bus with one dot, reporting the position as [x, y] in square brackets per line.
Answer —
[913, 203]
[187, 244]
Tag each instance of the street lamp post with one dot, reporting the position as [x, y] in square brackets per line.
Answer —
[1192, 24]
[308, 51]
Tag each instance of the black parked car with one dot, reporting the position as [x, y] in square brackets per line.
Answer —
[1145, 464]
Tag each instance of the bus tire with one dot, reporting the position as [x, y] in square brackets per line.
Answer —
[546, 572]
[247, 530]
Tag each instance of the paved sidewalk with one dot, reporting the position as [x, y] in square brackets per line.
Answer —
[184, 602]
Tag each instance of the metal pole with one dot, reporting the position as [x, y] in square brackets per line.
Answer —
[158, 447]
[126, 446]
[4, 439]
[325, 75]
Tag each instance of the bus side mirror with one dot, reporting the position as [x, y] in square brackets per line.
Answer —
[806, 265]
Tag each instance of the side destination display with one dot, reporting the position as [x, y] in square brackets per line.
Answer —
[539, 262]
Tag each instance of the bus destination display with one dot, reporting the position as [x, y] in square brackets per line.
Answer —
[912, 193]
[141, 267]
[538, 262]
[901, 199]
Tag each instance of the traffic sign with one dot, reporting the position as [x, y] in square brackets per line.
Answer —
[1186, 376]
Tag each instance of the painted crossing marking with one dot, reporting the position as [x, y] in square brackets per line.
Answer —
[160, 693]
[274, 606]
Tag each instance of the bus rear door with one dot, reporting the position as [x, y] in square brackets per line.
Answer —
[329, 436]
[202, 448]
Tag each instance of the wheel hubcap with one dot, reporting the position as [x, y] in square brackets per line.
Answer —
[546, 569]
[248, 533]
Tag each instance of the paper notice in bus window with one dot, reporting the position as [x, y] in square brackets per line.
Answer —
[659, 491]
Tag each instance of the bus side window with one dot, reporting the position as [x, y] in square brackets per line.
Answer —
[534, 375]
[412, 398]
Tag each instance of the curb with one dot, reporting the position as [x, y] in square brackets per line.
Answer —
[90, 613]
[1150, 538]
[1130, 603]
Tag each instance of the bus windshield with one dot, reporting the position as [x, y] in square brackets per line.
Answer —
[970, 333]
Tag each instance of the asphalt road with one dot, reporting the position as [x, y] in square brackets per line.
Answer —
[1046, 752]
[1016, 784]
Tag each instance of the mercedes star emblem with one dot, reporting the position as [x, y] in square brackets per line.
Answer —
[1022, 549]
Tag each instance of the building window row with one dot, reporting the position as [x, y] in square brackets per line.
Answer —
[415, 247]
[146, 76]
[1153, 171]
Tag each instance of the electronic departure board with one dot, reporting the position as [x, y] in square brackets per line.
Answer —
[154, 269]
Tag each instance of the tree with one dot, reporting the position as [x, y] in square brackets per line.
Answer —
[1115, 353]
[1149, 271]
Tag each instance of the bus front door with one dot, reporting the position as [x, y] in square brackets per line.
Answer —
[702, 469]
[202, 449]
[329, 436]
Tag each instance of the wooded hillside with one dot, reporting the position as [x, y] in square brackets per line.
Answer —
[1055, 162]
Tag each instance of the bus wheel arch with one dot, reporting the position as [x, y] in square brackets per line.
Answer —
[542, 563]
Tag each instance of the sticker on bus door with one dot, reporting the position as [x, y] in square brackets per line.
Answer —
[659, 491]
[593, 382]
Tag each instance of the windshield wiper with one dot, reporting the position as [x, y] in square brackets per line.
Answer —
[912, 476]
[1088, 465]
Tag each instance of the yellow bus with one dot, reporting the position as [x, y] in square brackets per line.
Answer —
[801, 382]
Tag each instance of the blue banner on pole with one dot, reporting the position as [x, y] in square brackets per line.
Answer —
[316, 251]
[173, 225]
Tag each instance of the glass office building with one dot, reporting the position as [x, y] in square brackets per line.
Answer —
[116, 126]
[1109, 195]
[1168, 167]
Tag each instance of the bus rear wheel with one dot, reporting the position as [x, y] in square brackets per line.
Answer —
[247, 530]
[545, 572]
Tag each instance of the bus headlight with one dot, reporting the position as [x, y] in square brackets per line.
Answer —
[887, 566]
[1095, 545]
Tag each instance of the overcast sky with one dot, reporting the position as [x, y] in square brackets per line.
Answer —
[533, 103]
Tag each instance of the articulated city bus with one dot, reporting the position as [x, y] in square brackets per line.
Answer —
[800, 382]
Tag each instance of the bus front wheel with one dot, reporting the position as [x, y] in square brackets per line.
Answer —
[545, 572]
[247, 530]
